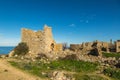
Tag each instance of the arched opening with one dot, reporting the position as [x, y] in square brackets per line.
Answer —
[52, 46]
[104, 49]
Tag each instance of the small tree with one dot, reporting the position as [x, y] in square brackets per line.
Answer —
[65, 45]
[21, 49]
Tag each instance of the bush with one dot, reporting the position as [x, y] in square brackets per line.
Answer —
[73, 65]
[68, 65]
[116, 55]
[88, 77]
[117, 65]
[114, 73]
[21, 49]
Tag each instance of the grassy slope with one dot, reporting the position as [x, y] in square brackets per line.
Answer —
[79, 69]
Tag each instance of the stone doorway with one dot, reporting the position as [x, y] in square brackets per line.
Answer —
[52, 46]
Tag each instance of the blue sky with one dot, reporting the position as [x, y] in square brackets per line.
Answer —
[72, 21]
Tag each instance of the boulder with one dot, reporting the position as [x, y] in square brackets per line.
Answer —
[11, 54]
[60, 75]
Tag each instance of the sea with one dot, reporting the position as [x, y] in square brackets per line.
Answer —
[6, 49]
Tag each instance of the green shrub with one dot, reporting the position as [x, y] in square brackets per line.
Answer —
[13, 63]
[116, 55]
[73, 65]
[38, 67]
[88, 77]
[21, 49]
[113, 73]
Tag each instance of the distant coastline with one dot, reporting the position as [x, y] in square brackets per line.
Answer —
[6, 49]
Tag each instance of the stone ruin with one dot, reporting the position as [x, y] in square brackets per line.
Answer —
[96, 47]
[43, 42]
[40, 41]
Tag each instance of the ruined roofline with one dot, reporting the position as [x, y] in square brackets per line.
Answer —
[88, 42]
[26, 29]
[74, 44]
[45, 27]
[31, 30]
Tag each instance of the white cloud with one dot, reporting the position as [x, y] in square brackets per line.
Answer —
[72, 25]
[87, 18]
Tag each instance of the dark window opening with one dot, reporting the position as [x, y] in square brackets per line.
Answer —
[104, 49]
[38, 37]
[119, 47]
[52, 46]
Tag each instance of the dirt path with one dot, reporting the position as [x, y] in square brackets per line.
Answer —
[7, 72]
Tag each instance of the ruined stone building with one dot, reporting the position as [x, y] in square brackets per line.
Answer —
[40, 41]
[100, 46]
[43, 42]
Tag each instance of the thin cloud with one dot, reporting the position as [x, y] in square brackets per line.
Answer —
[72, 25]
[87, 18]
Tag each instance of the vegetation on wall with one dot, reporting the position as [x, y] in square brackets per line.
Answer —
[21, 49]
[116, 55]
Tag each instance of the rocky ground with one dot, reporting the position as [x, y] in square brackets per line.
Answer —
[8, 72]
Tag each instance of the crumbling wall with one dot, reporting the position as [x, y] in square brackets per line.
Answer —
[58, 47]
[90, 47]
[118, 46]
[34, 40]
[48, 38]
[75, 47]
[40, 41]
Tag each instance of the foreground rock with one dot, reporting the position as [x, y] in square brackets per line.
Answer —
[61, 75]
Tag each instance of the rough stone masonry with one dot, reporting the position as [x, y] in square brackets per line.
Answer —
[40, 41]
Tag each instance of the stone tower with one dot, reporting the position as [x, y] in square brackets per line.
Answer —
[40, 41]
[48, 38]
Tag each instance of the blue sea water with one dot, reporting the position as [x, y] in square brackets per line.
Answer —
[6, 49]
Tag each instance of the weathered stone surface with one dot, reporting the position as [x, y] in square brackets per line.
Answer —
[3, 56]
[40, 41]
[118, 46]
[88, 47]
[60, 75]
[11, 54]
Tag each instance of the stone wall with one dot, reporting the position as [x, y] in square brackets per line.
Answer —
[75, 47]
[40, 41]
[118, 46]
[48, 39]
[58, 47]
[89, 46]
